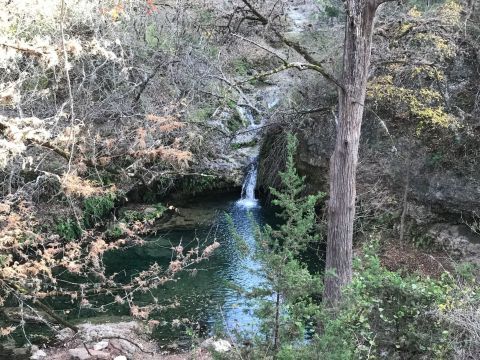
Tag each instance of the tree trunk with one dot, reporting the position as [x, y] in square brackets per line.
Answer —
[276, 331]
[343, 163]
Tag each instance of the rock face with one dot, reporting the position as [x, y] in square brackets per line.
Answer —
[443, 190]
[448, 191]
[316, 142]
[458, 240]
[101, 345]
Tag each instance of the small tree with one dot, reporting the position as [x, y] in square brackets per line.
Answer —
[289, 290]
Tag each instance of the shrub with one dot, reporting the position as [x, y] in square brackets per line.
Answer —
[96, 208]
[114, 232]
[69, 229]
[388, 315]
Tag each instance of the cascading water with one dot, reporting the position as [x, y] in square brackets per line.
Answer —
[247, 198]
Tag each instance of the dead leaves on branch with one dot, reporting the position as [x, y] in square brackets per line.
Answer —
[73, 185]
[167, 130]
[31, 259]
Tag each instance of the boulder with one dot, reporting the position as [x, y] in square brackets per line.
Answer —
[217, 345]
[101, 345]
[82, 354]
[38, 355]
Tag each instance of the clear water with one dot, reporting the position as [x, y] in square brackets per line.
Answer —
[248, 199]
[211, 296]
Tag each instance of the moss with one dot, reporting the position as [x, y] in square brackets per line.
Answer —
[114, 232]
[134, 215]
[235, 122]
[203, 113]
[241, 66]
[68, 229]
[97, 208]
[196, 184]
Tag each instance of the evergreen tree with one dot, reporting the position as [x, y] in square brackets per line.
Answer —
[289, 295]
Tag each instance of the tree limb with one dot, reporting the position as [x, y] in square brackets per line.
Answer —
[316, 65]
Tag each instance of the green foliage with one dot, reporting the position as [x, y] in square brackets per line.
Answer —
[152, 214]
[235, 122]
[290, 317]
[467, 271]
[68, 229]
[298, 211]
[151, 36]
[386, 313]
[202, 113]
[420, 238]
[96, 208]
[241, 66]
[332, 11]
[435, 159]
[114, 232]
[197, 184]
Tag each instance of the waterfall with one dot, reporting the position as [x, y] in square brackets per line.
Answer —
[246, 115]
[247, 198]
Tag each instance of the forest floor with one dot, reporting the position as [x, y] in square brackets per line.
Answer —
[112, 341]
[408, 258]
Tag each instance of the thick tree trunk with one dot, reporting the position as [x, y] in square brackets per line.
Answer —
[343, 163]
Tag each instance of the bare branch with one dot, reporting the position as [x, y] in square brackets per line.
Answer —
[316, 65]
[261, 47]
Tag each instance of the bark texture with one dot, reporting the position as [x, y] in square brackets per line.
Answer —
[343, 162]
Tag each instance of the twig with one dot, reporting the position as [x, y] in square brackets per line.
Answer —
[315, 64]
[69, 85]
[86, 348]
[261, 47]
